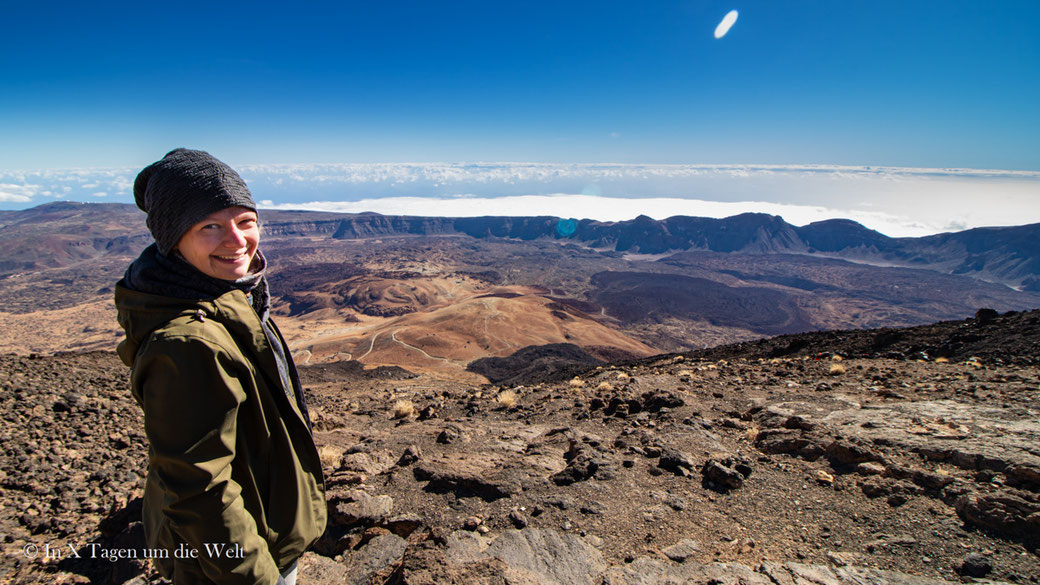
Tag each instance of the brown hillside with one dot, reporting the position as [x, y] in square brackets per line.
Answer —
[444, 340]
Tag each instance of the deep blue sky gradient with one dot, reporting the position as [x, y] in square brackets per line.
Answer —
[899, 83]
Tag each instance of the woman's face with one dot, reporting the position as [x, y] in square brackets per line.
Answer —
[222, 245]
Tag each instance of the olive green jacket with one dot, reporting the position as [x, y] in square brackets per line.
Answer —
[233, 471]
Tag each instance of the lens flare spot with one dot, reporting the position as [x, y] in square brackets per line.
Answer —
[726, 24]
[566, 227]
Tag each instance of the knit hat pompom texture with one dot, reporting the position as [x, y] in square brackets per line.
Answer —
[182, 189]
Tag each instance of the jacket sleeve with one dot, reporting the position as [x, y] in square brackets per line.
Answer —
[190, 392]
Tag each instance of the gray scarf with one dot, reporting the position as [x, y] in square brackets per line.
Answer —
[172, 276]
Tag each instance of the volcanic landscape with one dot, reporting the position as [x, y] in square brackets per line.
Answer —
[497, 404]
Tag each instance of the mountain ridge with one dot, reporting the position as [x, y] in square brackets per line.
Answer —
[1006, 255]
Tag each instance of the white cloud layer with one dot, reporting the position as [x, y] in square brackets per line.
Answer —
[893, 200]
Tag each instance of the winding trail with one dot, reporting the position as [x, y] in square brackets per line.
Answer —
[372, 344]
[494, 312]
[418, 349]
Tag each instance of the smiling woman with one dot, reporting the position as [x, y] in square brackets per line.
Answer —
[232, 463]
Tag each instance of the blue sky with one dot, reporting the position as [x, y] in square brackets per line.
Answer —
[896, 84]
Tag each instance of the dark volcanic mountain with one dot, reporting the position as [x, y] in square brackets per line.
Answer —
[1009, 255]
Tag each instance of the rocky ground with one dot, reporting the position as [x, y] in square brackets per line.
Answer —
[822, 464]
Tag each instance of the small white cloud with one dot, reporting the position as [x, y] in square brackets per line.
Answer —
[727, 22]
[15, 193]
[14, 198]
[99, 194]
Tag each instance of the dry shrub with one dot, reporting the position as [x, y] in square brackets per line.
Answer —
[942, 360]
[752, 433]
[836, 358]
[837, 369]
[678, 359]
[403, 409]
[605, 386]
[623, 376]
[506, 398]
[329, 456]
[576, 382]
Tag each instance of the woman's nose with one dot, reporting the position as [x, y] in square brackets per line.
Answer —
[234, 236]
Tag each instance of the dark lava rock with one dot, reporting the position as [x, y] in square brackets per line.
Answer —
[466, 478]
[1009, 338]
[411, 454]
[726, 474]
[535, 364]
[791, 442]
[449, 435]
[975, 565]
[580, 468]
[677, 462]
[656, 400]
[1006, 513]
[518, 519]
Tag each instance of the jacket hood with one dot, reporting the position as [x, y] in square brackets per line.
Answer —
[140, 314]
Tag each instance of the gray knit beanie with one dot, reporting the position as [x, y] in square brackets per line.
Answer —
[182, 189]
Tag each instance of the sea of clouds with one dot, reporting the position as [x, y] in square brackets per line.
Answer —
[895, 201]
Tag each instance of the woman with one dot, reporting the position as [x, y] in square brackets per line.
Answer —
[234, 492]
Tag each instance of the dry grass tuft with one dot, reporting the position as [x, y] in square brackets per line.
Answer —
[623, 376]
[506, 398]
[942, 360]
[576, 382]
[752, 433]
[330, 456]
[403, 409]
[605, 386]
[836, 358]
[837, 369]
[677, 359]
